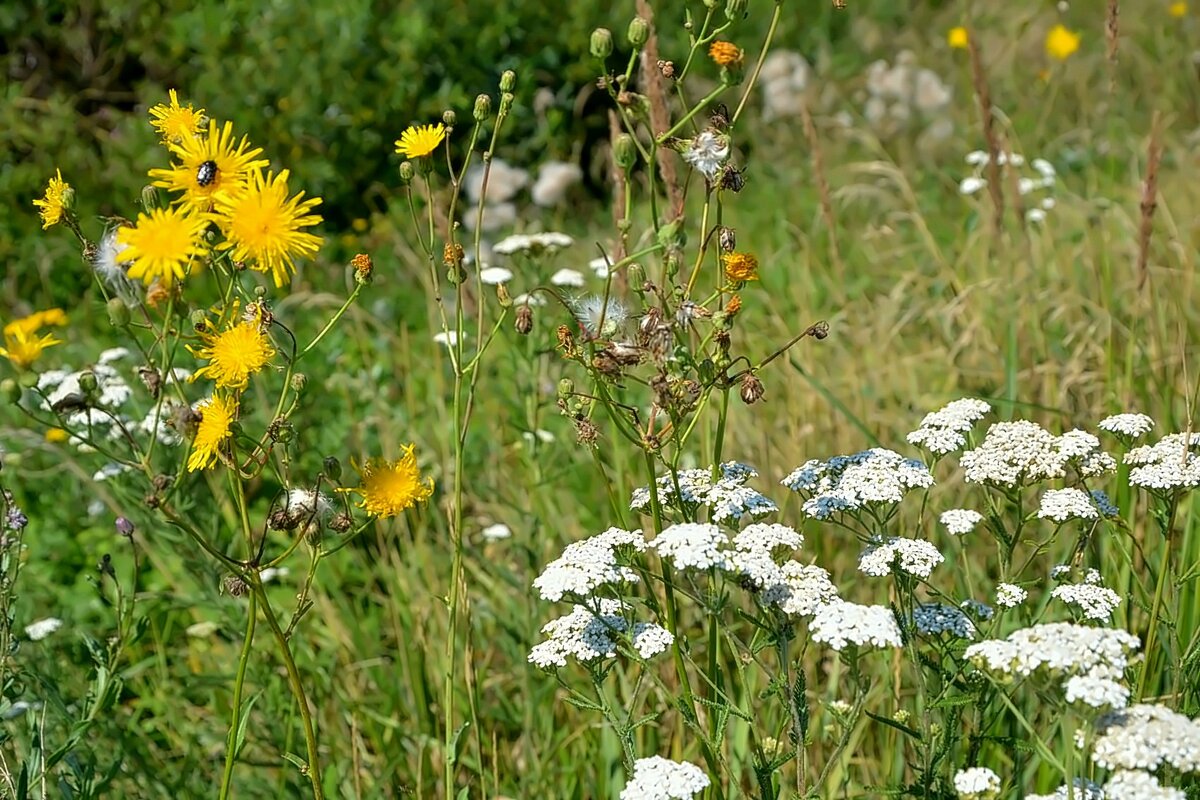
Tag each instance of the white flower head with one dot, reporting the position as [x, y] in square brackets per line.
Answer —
[585, 634]
[1146, 737]
[727, 496]
[503, 182]
[1009, 595]
[1082, 789]
[694, 545]
[554, 180]
[840, 624]
[976, 783]
[1059, 649]
[847, 483]
[1137, 785]
[568, 277]
[971, 184]
[533, 243]
[40, 629]
[707, 153]
[771, 538]
[588, 564]
[496, 532]
[1022, 452]
[913, 556]
[1095, 601]
[650, 639]
[1129, 425]
[1169, 464]
[1096, 690]
[659, 778]
[493, 276]
[1061, 505]
[447, 338]
[960, 521]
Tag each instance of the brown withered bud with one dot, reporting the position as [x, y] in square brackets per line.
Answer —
[661, 386]
[566, 341]
[606, 364]
[722, 339]
[185, 420]
[660, 343]
[733, 306]
[623, 353]
[686, 392]
[727, 239]
[157, 294]
[91, 249]
[732, 179]
[281, 520]
[649, 321]
[452, 254]
[818, 330]
[752, 389]
[667, 68]
[586, 432]
[235, 586]
[162, 482]
[70, 403]
[363, 267]
[258, 312]
[719, 118]
[626, 98]
[341, 522]
[152, 379]
[524, 323]
[152, 501]
[689, 311]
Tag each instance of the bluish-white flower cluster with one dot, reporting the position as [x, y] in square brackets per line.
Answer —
[658, 778]
[728, 497]
[590, 633]
[1081, 789]
[589, 563]
[933, 619]
[944, 431]
[848, 483]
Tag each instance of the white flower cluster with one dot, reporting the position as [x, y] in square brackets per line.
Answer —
[1169, 464]
[796, 589]
[784, 80]
[1082, 789]
[1097, 602]
[585, 634]
[934, 619]
[659, 778]
[913, 556]
[1061, 505]
[1061, 650]
[960, 521]
[547, 242]
[1131, 426]
[707, 153]
[650, 639]
[589, 563]
[1022, 452]
[848, 483]
[1009, 595]
[944, 431]
[976, 783]
[772, 538]
[692, 545]
[42, 628]
[1041, 179]
[1096, 691]
[1146, 737]
[1137, 785]
[839, 623]
[905, 96]
[728, 497]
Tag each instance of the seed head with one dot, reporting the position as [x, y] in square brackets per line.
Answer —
[752, 389]
[235, 586]
[524, 323]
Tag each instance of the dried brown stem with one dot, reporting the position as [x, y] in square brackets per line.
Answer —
[651, 79]
[1149, 200]
[818, 167]
[987, 121]
[1111, 33]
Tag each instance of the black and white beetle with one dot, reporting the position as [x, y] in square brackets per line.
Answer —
[206, 173]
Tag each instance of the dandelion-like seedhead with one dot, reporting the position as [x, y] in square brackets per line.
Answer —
[707, 153]
[600, 317]
[727, 497]
[848, 483]
[841, 624]
[658, 778]
[40, 629]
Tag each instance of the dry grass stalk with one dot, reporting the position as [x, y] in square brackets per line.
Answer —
[818, 167]
[1149, 200]
[1111, 32]
[651, 80]
[987, 121]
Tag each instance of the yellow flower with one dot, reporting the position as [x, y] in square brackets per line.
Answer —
[389, 487]
[264, 226]
[173, 121]
[420, 140]
[1177, 10]
[740, 267]
[1061, 42]
[54, 202]
[725, 53]
[57, 436]
[958, 38]
[162, 245]
[234, 355]
[217, 415]
[210, 166]
[22, 344]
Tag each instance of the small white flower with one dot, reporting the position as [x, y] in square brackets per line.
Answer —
[971, 184]
[110, 470]
[848, 483]
[839, 623]
[493, 276]
[913, 556]
[1037, 215]
[554, 180]
[588, 564]
[960, 521]
[448, 338]
[503, 181]
[1083, 789]
[112, 354]
[586, 634]
[273, 573]
[692, 545]
[1059, 649]
[977, 158]
[976, 783]
[1009, 595]
[1131, 425]
[1097, 602]
[1044, 168]
[599, 266]
[496, 532]
[650, 639]
[1061, 505]
[567, 277]
[42, 628]
[707, 153]
[1169, 464]
[1146, 737]
[1096, 691]
[658, 778]
[530, 299]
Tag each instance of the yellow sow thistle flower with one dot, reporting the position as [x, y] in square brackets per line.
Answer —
[53, 203]
[1061, 43]
[725, 54]
[1177, 10]
[263, 226]
[233, 355]
[22, 343]
[57, 436]
[162, 245]
[210, 166]
[217, 415]
[173, 121]
[418, 141]
[958, 38]
[389, 487]
[740, 267]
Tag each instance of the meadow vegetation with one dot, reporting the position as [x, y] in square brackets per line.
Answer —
[718, 400]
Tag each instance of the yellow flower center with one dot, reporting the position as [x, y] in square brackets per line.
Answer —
[389, 487]
[234, 355]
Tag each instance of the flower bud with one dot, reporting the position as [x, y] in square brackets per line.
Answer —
[503, 296]
[727, 239]
[524, 322]
[752, 389]
[198, 319]
[506, 101]
[601, 44]
[332, 468]
[341, 522]
[150, 198]
[483, 108]
[88, 382]
[118, 312]
[235, 586]
[10, 391]
[363, 267]
[566, 388]
[625, 152]
[406, 173]
[639, 31]
[124, 527]
[281, 431]
[508, 81]
[299, 381]
[449, 118]
[735, 9]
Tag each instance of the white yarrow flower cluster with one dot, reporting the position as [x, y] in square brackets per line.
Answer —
[839, 624]
[707, 153]
[771, 537]
[1082, 789]
[976, 783]
[728, 497]
[795, 588]
[1130, 426]
[943, 431]
[1169, 464]
[1096, 691]
[549, 241]
[1023, 452]
[960, 521]
[589, 563]
[1009, 595]
[848, 483]
[650, 639]
[934, 619]
[1097, 602]
[1146, 737]
[584, 634]
[692, 545]
[1061, 505]
[659, 778]
[1138, 785]
[42, 628]
[913, 556]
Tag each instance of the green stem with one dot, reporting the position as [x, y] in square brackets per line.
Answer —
[239, 682]
[1156, 606]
